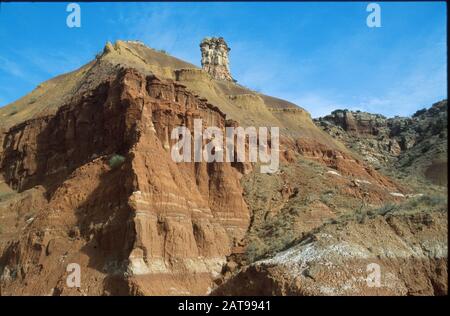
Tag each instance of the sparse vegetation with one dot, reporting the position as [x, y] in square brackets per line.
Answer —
[5, 195]
[279, 232]
[420, 204]
[275, 235]
[116, 161]
[327, 197]
[384, 210]
[428, 203]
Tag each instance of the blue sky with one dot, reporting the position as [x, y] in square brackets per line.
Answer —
[321, 56]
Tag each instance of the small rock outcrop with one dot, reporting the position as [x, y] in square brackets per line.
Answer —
[215, 58]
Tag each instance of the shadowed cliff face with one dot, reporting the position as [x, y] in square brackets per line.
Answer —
[87, 178]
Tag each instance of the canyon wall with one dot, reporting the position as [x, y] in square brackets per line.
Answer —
[150, 218]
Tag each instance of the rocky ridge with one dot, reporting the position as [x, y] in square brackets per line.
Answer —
[405, 144]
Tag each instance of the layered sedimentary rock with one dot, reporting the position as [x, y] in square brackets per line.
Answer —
[149, 219]
[215, 58]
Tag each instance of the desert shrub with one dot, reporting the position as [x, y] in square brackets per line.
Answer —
[116, 161]
[433, 200]
[327, 197]
[255, 249]
[385, 209]
[276, 234]
[414, 203]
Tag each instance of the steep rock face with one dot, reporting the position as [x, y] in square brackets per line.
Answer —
[150, 220]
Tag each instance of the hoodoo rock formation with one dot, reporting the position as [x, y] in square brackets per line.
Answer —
[215, 58]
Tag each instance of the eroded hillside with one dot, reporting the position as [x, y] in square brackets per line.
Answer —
[403, 146]
[87, 178]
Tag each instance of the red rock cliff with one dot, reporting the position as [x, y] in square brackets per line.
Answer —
[151, 220]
